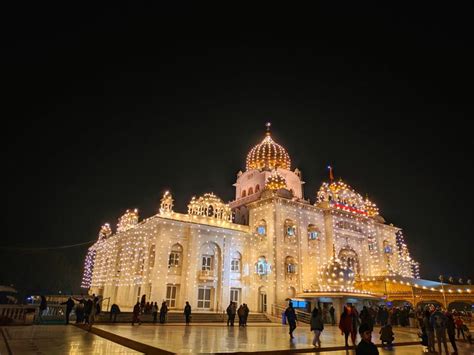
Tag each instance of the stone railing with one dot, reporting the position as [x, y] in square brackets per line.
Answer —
[17, 314]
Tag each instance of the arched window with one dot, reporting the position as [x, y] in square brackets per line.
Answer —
[257, 188]
[387, 248]
[262, 266]
[290, 265]
[313, 232]
[244, 193]
[290, 228]
[235, 262]
[250, 191]
[175, 256]
[262, 228]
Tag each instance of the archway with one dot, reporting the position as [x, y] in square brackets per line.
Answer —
[460, 306]
[262, 299]
[350, 258]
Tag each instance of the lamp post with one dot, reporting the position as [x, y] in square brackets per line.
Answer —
[441, 278]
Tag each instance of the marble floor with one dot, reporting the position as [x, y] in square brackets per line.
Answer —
[57, 340]
[197, 338]
[217, 338]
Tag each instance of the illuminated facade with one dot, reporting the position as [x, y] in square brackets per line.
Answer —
[267, 245]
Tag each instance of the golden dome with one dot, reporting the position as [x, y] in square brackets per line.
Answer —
[268, 155]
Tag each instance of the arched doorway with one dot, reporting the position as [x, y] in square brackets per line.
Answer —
[262, 299]
[460, 306]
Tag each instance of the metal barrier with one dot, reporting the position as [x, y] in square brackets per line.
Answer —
[278, 310]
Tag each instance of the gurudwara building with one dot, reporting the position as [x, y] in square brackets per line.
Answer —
[267, 245]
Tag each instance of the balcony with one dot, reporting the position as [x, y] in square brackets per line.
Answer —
[206, 275]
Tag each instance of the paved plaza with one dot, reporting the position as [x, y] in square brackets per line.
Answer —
[217, 338]
[202, 338]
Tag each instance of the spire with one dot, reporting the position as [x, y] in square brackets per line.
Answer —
[331, 176]
[268, 125]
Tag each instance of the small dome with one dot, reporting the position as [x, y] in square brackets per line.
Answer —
[268, 155]
[336, 276]
[275, 181]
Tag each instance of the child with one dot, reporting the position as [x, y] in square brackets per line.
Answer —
[366, 347]
[467, 333]
[386, 335]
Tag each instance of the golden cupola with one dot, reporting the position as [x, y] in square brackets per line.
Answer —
[268, 155]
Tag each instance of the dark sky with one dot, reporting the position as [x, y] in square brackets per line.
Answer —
[106, 108]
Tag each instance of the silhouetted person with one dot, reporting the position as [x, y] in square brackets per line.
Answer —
[154, 311]
[43, 307]
[332, 311]
[246, 313]
[291, 318]
[69, 306]
[163, 312]
[87, 310]
[187, 312]
[114, 310]
[231, 311]
[136, 314]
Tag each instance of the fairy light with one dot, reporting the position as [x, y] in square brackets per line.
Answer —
[281, 250]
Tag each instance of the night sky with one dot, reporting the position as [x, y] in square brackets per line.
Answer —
[106, 108]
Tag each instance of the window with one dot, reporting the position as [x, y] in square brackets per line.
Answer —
[235, 262]
[250, 191]
[257, 188]
[171, 291]
[262, 266]
[175, 256]
[206, 264]
[244, 193]
[235, 295]
[290, 264]
[262, 228]
[387, 248]
[290, 228]
[204, 298]
[313, 232]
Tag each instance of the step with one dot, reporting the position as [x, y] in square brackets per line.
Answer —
[178, 317]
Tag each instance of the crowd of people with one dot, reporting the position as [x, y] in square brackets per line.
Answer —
[432, 321]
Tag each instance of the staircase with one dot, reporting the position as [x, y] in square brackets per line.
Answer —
[178, 317]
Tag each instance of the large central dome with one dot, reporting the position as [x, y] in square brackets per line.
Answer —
[268, 155]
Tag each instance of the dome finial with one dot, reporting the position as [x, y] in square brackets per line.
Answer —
[331, 176]
[268, 125]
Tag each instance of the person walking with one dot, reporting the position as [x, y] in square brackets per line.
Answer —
[346, 325]
[428, 327]
[291, 318]
[366, 318]
[143, 304]
[459, 327]
[80, 311]
[114, 310]
[69, 306]
[154, 312]
[187, 312]
[317, 326]
[332, 312]
[438, 321]
[163, 312]
[136, 314]
[451, 330]
[87, 310]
